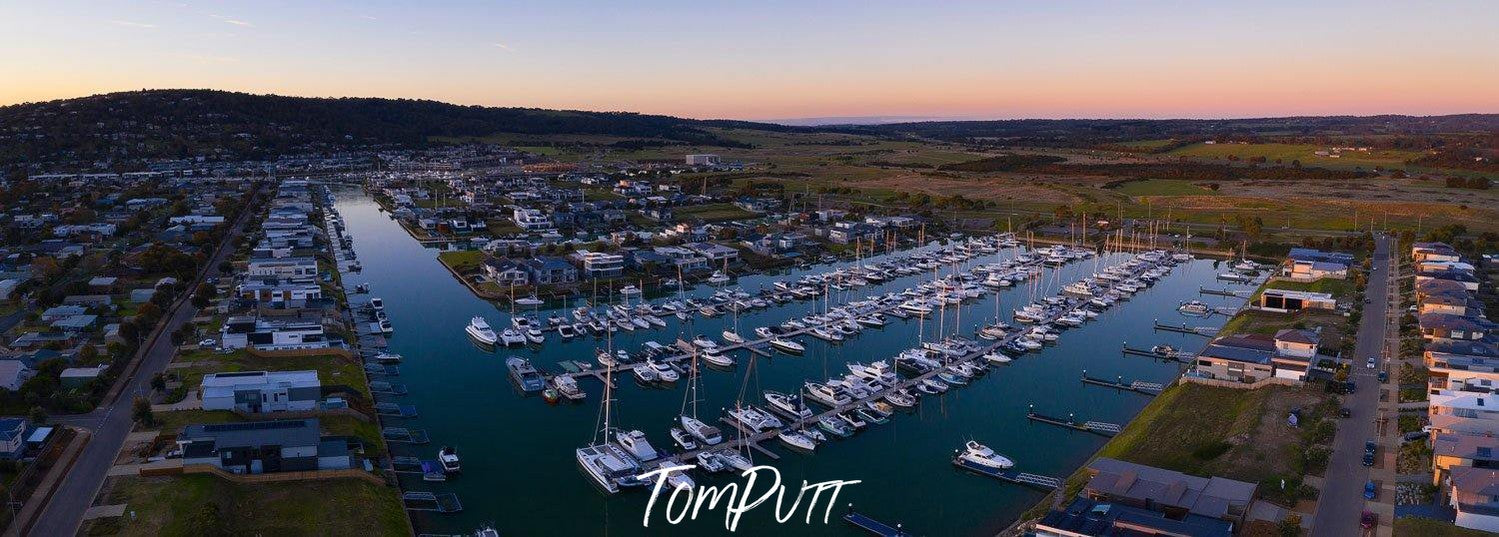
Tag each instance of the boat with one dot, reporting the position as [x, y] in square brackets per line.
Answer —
[609, 466]
[629, 290]
[568, 387]
[376, 304]
[567, 331]
[787, 405]
[825, 394]
[736, 460]
[835, 426]
[705, 433]
[448, 458]
[755, 419]
[797, 440]
[511, 336]
[534, 336]
[664, 372]
[479, 329]
[635, 443]
[524, 374]
[529, 301]
[718, 278]
[645, 374]
[852, 421]
[980, 454]
[787, 346]
[1195, 307]
[388, 358]
[997, 357]
[901, 399]
[732, 336]
[683, 439]
[704, 343]
[718, 359]
[710, 462]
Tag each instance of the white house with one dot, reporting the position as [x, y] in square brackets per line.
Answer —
[262, 391]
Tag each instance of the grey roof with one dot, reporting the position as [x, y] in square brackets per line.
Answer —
[1465, 347]
[1237, 354]
[1466, 446]
[1206, 496]
[1454, 322]
[303, 432]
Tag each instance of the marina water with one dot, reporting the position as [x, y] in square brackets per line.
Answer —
[520, 474]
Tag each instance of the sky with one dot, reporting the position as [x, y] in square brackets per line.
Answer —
[769, 59]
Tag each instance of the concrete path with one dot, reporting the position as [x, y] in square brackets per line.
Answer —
[104, 511]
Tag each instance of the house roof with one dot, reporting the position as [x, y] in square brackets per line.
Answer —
[1206, 496]
[1466, 446]
[1084, 516]
[303, 432]
[1294, 335]
[1479, 481]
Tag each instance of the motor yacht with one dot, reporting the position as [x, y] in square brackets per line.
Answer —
[788, 405]
[683, 439]
[635, 443]
[479, 329]
[755, 419]
[705, 433]
[718, 359]
[609, 466]
[787, 346]
[568, 387]
[448, 458]
[980, 454]
[835, 426]
[524, 374]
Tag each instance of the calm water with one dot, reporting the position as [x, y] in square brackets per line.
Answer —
[519, 469]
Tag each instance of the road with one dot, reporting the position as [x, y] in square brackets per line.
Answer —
[1342, 498]
[111, 422]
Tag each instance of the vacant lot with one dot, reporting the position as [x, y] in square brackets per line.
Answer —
[1306, 153]
[193, 505]
[714, 212]
[1426, 527]
[1162, 187]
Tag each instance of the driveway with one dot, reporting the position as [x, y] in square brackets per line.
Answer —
[1342, 499]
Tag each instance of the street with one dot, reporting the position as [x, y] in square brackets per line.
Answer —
[1342, 500]
[111, 422]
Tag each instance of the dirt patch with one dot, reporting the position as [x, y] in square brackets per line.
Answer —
[982, 188]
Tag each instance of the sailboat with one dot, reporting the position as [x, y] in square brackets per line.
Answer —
[607, 464]
[705, 433]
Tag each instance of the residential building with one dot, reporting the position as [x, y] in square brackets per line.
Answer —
[1253, 357]
[1083, 517]
[13, 437]
[262, 391]
[1173, 493]
[550, 270]
[1285, 300]
[1474, 494]
[704, 159]
[288, 268]
[14, 373]
[531, 219]
[257, 447]
[600, 264]
[241, 332]
[717, 254]
[1451, 450]
[506, 272]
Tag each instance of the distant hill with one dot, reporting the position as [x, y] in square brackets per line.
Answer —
[182, 123]
[1085, 132]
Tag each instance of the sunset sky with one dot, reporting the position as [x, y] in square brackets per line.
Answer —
[770, 59]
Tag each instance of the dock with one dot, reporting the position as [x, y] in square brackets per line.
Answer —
[445, 502]
[1204, 331]
[1044, 482]
[1096, 427]
[1177, 356]
[394, 410]
[1139, 386]
[872, 526]
[402, 435]
[380, 387]
[1223, 292]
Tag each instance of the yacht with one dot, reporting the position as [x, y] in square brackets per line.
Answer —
[835, 426]
[901, 399]
[705, 433]
[797, 440]
[609, 466]
[567, 331]
[511, 336]
[479, 329]
[683, 439]
[629, 290]
[732, 336]
[568, 387]
[787, 346]
[736, 460]
[755, 419]
[715, 358]
[524, 374]
[635, 443]
[981, 455]
[529, 301]
[448, 457]
[377, 304]
[664, 371]
[1195, 307]
[645, 374]
[825, 394]
[718, 278]
[787, 405]
[997, 357]
[534, 336]
[710, 462]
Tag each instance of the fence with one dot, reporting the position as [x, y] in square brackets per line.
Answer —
[1243, 385]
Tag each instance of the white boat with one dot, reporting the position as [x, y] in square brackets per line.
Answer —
[980, 454]
[511, 336]
[788, 346]
[755, 419]
[448, 457]
[635, 443]
[645, 374]
[788, 405]
[1195, 307]
[608, 465]
[377, 304]
[629, 290]
[534, 336]
[683, 439]
[797, 440]
[718, 277]
[704, 343]
[705, 433]
[529, 301]
[566, 331]
[715, 358]
[732, 336]
[568, 387]
[479, 329]
[736, 460]
[664, 372]
[997, 358]
[825, 394]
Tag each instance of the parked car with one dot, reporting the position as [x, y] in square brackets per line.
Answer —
[1369, 450]
[1368, 520]
[1370, 490]
[1370, 364]
[1345, 412]
[1384, 375]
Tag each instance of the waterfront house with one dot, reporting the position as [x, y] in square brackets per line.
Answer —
[600, 264]
[1287, 301]
[505, 271]
[272, 290]
[289, 268]
[717, 254]
[1253, 357]
[551, 270]
[257, 447]
[1084, 517]
[1173, 493]
[262, 391]
[1474, 494]
[683, 259]
[242, 331]
[1306, 264]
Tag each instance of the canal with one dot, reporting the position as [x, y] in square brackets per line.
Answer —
[519, 470]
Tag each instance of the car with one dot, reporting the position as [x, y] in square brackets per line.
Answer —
[1384, 375]
[1370, 490]
[1370, 364]
[1345, 412]
[1368, 520]
[208, 343]
[1366, 300]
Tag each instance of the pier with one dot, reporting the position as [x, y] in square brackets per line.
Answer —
[1095, 427]
[1173, 355]
[872, 526]
[1204, 331]
[402, 435]
[1223, 292]
[1139, 386]
[445, 502]
[1044, 482]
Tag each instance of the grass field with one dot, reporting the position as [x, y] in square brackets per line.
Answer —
[1162, 187]
[714, 212]
[1148, 144]
[463, 260]
[1306, 153]
[1426, 527]
[192, 505]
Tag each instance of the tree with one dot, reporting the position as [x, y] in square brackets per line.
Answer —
[38, 415]
[159, 382]
[140, 410]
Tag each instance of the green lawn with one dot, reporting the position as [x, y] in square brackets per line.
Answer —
[1148, 144]
[1163, 187]
[332, 424]
[463, 261]
[192, 505]
[332, 370]
[714, 212]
